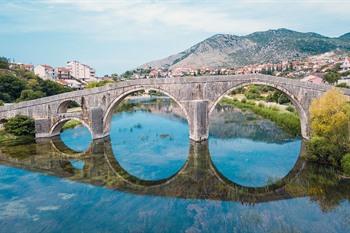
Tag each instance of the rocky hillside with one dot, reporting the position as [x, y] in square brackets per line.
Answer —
[223, 50]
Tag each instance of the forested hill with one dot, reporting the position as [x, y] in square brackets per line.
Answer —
[19, 85]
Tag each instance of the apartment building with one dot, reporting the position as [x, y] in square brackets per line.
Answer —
[45, 72]
[81, 71]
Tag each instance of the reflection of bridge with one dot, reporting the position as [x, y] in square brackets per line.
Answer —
[197, 97]
[197, 179]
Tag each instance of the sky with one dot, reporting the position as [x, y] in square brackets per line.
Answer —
[115, 36]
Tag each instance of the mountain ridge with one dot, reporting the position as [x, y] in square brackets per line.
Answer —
[276, 45]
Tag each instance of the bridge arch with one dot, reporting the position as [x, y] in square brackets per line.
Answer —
[303, 114]
[109, 112]
[56, 128]
[65, 105]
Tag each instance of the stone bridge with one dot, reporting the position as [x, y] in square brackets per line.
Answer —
[196, 96]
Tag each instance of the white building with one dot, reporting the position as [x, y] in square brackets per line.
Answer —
[346, 65]
[45, 72]
[81, 71]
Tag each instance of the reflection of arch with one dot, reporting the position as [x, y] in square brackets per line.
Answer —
[65, 105]
[297, 168]
[303, 115]
[109, 112]
[56, 128]
[59, 146]
[133, 180]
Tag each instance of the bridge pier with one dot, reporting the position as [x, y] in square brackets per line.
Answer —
[42, 128]
[198, 119]
[96, 122]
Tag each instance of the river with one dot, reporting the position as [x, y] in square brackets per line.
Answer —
[148, 177]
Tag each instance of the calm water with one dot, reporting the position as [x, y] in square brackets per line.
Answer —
[148, 177]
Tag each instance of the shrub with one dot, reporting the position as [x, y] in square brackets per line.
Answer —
[321, 150]
[1, 103]
[330, 117]
[20, 126]
[290, 108]
[345, 164]
[244, 100]
[261, 105]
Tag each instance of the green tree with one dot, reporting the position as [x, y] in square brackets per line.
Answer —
[332, 77]
[30, 95]
[330, 119]
[4, 63]
[10, 87]
[20, 126]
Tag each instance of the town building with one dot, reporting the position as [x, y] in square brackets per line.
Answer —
[27, 67]
[81, 71]
[346, 65]
[45, 72]
[62, 73]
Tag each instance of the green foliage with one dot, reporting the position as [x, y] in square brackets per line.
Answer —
[20, 126]
[10, 87]
[290, 108]
[4, 63]
[97, 84]
[30, 95]
[342, 85]
[71, 124]
[330, 119]
[1, 103]
[278, 97]
[345, 164]
[23, 85]
[331, 77]
[288, 121]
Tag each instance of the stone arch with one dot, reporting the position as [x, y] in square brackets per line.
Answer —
[56, 128]
[109, 111]
[63, 106]
[303, 114]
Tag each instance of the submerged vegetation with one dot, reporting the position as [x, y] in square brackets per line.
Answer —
[289, 121]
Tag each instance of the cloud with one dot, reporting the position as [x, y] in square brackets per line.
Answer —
[129, 19]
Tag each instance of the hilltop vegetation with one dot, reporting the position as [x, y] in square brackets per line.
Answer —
[20, 85]
[224, 50]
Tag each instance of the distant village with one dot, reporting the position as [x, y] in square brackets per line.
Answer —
[75, 74]
[311, 69]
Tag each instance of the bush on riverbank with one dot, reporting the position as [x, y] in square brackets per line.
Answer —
[17, 130]
[330, 136]
[20, 126]
[286, 120]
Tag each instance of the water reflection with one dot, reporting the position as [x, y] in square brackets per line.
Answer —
[78, 138]
[250, 150]
[197, 179]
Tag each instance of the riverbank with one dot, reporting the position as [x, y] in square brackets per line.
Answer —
[7, 139]
[288, 121]
[71, 124]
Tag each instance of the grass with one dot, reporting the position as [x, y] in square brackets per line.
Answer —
[71, 124]
[288, 121]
